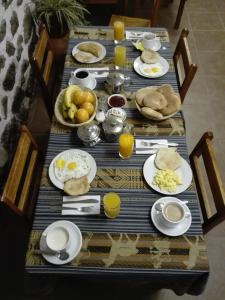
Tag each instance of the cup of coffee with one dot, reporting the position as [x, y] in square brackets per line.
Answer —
[81, 78]
[58, 239]
[149, 40]
[173, 213]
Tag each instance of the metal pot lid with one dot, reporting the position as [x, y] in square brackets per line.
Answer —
[115, 79]
[88, 132]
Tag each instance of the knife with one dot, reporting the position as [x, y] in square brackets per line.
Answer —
[81, 201]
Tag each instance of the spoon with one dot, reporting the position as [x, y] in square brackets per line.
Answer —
[62, 255]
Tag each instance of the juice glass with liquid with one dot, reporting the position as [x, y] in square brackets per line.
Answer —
[118, 28]
[111, 203]
[120, 56]
[126, 145]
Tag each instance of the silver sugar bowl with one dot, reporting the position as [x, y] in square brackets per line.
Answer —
[113, 127]
[89, 134]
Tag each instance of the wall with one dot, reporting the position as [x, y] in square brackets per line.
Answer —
[15, 38]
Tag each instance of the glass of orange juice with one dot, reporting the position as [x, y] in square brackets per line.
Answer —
[118, 28]
[120, 56]
[111, 203]
[126, 145]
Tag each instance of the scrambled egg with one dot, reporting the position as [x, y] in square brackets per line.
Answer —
[166, 180]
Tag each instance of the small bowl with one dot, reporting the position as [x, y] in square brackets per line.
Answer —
[117, 100]
[58, 111]
[117, 112]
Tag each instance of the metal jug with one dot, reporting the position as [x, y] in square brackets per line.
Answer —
[112, 126]
[89, 134]
[115, 82]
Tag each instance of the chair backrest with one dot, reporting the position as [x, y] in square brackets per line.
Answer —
[20, 183]
[205, 150]
[153, 10]
[42, 63]
[130, 21]
[182, 51]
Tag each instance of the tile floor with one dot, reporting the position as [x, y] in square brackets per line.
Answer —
[204, 109]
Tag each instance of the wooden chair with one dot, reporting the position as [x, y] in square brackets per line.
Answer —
[153, 10]
[130, 21]
[20, 183]
[42, 61]
[205, 150]
[179, 14]
[182, 51]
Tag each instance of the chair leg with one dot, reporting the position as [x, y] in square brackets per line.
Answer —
[179, 14]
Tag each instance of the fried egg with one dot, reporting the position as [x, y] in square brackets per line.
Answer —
[151, 69]
[71, 165]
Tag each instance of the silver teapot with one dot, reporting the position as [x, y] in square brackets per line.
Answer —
[89, 134]
[115, 82]
[113, 127]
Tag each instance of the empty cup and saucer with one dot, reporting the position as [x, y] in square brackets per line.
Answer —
[151, 41]
[171, 216]
[83, 78]
[61, 236]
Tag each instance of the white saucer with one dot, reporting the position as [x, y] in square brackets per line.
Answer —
[91, 85]
[170, 231]
[155, 47]
[73, 249]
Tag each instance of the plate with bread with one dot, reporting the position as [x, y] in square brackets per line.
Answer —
[150, 64]
[72, 171]
[167, 172]
[157, 102]
[88, 52]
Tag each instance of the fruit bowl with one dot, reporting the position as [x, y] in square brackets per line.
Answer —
[59, 107]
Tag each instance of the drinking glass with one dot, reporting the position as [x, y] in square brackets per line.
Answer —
[126, 145]
[111, 204]
[118, 28]
[120, 56]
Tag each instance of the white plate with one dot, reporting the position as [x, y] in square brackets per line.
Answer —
[184, 172]
[93, 60]
[171, 231]
[90, 175]
[91, 84]
[162, 62]
[74, 247]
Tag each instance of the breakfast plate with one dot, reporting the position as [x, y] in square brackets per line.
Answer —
[74, 247]
[151, 70]
[92, 59]
[184, 172]
[90, 162]
[170, 231]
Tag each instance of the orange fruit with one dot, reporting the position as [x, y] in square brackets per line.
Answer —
[79, 97]
[88, 106]
[82, 115]
[89, 97]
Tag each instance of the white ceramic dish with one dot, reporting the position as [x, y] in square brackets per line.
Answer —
[74, 247]
[139, 67]
[184, 172]
[90, 175]
[138, 45]
[170, 231]
[91, 85]
[94, 59]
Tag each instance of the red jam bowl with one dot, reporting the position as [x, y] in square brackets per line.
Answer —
[117, 100]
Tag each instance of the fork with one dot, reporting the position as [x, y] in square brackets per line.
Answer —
[150, 144]
[80, 209]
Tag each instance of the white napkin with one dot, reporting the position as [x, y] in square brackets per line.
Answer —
[149, 150]
[95, 210]
[135, 35]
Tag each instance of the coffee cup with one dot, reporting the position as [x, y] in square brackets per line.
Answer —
[81, 78]
[58, 238]
[172, 213]
[149, 40]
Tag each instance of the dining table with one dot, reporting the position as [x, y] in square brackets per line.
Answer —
[128, 247]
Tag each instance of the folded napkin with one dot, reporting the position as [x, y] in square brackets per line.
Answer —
[135, 35]
[75, 202]
[149, 150]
